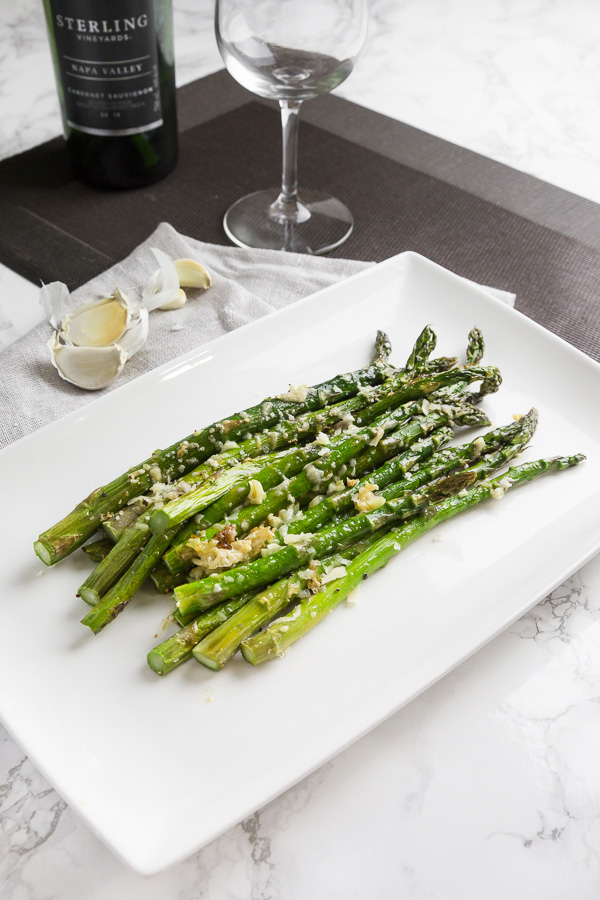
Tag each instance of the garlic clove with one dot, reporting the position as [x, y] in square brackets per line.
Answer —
[91, 368]
[176, 302]
[134, 337]
[192, 274]
[98, 323]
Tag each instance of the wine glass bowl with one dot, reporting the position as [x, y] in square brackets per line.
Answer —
[289, 51]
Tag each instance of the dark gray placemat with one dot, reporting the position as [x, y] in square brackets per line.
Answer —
[407, 190]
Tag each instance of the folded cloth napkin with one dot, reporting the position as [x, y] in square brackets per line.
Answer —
[246, 284]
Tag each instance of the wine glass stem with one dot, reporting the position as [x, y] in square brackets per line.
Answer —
[287, 207]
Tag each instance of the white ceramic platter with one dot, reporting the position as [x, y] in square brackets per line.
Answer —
[159, 767]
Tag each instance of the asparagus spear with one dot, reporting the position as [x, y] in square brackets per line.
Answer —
[220, 644]
[195, 596]
[117, 524]
[210, 650]
[393, 472]
[285, 631]
[71, 532]
[164, 581]
[115, 565]
[97, 550]
[138, 534]
[302, 428]
[179, 557]
[103, 582]
[475, 347]
[179, 510]
[117, 598]
[178, 648]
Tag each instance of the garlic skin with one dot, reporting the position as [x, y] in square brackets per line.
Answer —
[52, 298]
[163, 285]
[135, 335]
[90, 368]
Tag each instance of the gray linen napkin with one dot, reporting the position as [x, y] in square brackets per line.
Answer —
[247, 284]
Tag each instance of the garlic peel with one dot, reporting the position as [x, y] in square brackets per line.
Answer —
[163, 285]
[91, 368]
[53, 297]
[134, 337]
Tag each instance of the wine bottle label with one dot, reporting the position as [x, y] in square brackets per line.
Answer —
[107, 57]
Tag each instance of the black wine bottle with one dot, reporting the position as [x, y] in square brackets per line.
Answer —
[115, 73]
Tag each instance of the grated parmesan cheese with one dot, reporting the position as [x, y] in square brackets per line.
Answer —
[298, 538]
[155, 473]
[296, 394]
[478, 447]
[499, 491]
[332, 574]
[379, 432]
[346, 421]
[313, 474]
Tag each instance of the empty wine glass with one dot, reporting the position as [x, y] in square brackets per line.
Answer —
[290, 51]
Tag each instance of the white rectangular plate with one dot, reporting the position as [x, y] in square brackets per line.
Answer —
[159, 767]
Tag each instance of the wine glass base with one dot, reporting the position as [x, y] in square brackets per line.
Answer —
[250, 222]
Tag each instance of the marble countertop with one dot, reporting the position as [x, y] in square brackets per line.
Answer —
[487, 785]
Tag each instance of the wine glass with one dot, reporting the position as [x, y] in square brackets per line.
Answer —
[290, 51]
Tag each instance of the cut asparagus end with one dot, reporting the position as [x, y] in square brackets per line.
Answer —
[98, 550]
[157, 663]
[159, 521]
[44, 553]
[207, 659]
[88, 595]
[260, 648]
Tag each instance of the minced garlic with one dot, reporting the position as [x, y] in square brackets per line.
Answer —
[221, 552]
[366, 501]
[257, 492]
[379, 432]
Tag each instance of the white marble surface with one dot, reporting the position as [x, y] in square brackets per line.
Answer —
[486, 786]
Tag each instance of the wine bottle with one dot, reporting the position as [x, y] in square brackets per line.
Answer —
[115, 74]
